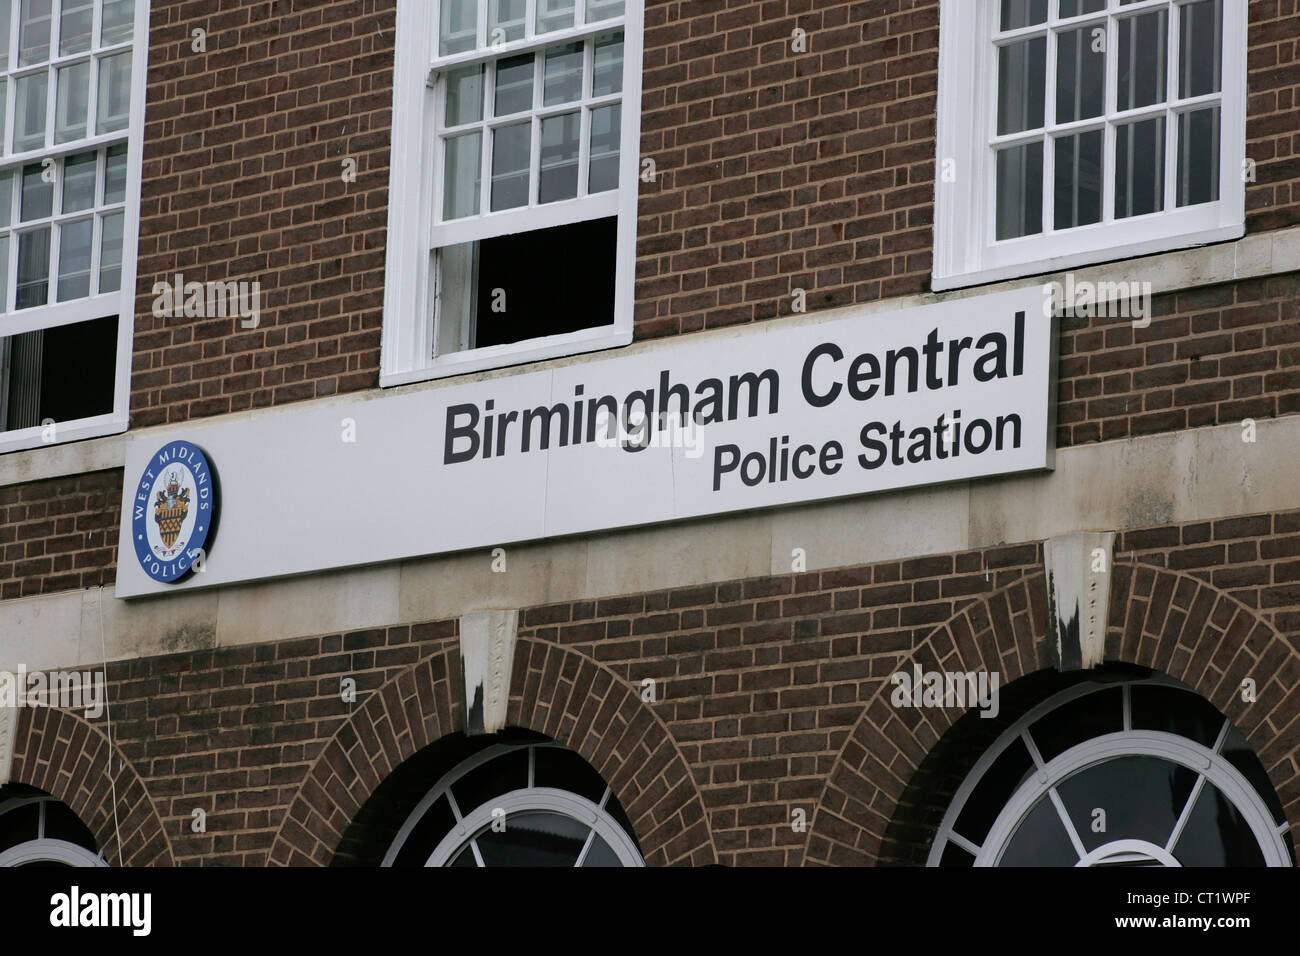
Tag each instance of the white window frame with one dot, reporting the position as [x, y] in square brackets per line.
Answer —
[44, 849]
[471, 822]
[99, 306]
[1207, 762]
[966, 251]
[414, 231]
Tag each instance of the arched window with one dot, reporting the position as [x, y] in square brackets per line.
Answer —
[526, 804]
[1135, 773]
[38, 830]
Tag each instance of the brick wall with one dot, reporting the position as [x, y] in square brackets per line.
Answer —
[759, 683]
[59, 534]
[1210, 356]
[243, 179]
[781, 170]
[776, 170]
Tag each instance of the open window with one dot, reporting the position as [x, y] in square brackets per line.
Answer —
[71, 101]
[514, 180]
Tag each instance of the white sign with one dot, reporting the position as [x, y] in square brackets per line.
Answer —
[770, 415]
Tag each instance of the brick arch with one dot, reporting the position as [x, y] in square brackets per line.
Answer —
[415, 708]
[888, 744]
[556, 691]
[1164, 620]
[1182, 626]
[567, 696]
[68, 757]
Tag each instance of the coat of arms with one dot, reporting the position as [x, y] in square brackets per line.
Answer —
[170, 509]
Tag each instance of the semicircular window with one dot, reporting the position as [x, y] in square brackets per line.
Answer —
[1140, 773]
[38, 830]
[534, 804]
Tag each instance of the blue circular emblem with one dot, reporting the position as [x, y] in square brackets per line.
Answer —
[174, 512]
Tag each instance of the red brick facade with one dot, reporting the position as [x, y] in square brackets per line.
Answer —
[776, 170]
[59, 534]
[772, 695]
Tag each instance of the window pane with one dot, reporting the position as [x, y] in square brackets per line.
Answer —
[1074, 8]
[34, 32]
[607, 75]
[602, 172]
[74, 26]
[563, 78]
[1080, 77]
[4, 273]
[514, 84]
[1040, 839]
[1142, 796]
[554, 15]
[506, 20]
[110, 253]
[1078, 180]
[3, 91]
[510, 159]
[1216, 834]
[115, 174]
[457, 269]
[6, 204]
[1075, 721]
[458, 30]
[559, 174]
[114, 93]
[73, 101]
[600, 854]
[535, 838]
[464, 96]
[1200, 48]
[462, 170]
[1142, 48]
[1022, 13]
[1139, 168]
[79, 182]
[1022, 79]
[74, 259]
[4, 38]
[603, 9]
[1020, 191]
[1198, 157]
[38, 193]
[33, 268]
[29, 112]
[116, 22]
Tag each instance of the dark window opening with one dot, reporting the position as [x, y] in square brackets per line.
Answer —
[531, 284]
[61, 374]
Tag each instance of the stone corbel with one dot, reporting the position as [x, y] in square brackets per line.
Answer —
[487, 650]
[1078, 597]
